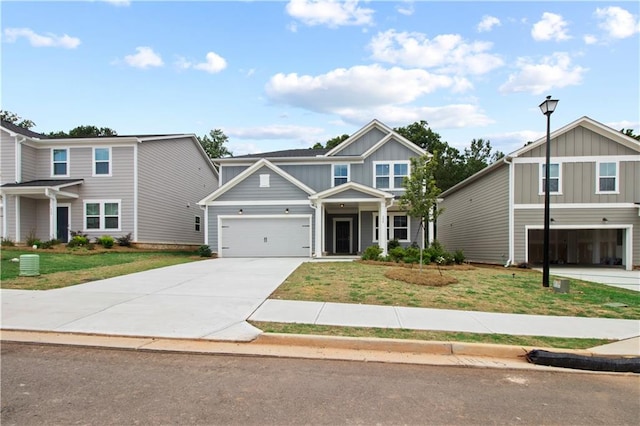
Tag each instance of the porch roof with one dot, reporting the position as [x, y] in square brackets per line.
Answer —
[367, 193]
[42, 188]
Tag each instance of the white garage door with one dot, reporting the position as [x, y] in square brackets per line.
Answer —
[265, 236]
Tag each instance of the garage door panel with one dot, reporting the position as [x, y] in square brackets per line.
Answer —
[265, 237]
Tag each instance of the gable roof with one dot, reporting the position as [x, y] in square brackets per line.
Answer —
[309, 152]
[351, 186]
[14, 129]
[248, 172]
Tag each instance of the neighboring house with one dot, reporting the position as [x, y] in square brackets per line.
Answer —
[308, 202]
[144, 185]
[497, 215]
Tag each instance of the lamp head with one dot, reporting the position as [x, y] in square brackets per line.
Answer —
[548, 106]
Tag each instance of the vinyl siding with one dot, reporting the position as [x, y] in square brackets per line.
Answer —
[351, 193]
[315, 176]
[229, 172]
[249, 189]
[586, 218]
[29, 163]
[580, 142]
[363, 143]
[215, 211]
[475, 219]
[29, 220]
[7, 158]
[173, 176]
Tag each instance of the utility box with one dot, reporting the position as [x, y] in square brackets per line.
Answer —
[561, 286]
[29, 265]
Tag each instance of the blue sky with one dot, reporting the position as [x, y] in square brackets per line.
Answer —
[286, 74]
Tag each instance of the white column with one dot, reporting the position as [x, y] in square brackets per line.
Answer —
[53, 215]
[318, 233]
[431, 229]
[382, 227]
[4, 216]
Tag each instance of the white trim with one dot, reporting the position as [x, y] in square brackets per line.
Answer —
[577, 206]
[391, 215]
[102, 215]
[17, 207]
[290, 161]
[263, 216]
[333, 174]
[94, 161]
[206, 225]
[260, 203]
[376, 193]
[391, 174]
[3, 207]
[616, 190]
[197, 221]
[541, 176]
[360, 229]
[343, 219]
[579, 159]
[512, 197]
[69, 228]
[18, 158]
[135, 192]
[68, 162]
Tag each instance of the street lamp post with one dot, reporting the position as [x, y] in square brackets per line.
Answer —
[547, 107]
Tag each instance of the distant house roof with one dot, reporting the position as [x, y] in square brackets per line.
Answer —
[287, 153]
[22, 131]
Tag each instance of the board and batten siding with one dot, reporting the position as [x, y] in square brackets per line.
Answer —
[7, 158]
[363, 143]
[249, 188]
[173, 176]
[584, 218]
[580, 142]
[248, 211]
[316, 176]
[229, 172]
[390, 151]
[475, 219]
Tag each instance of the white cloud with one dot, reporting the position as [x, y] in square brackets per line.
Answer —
[509, 142]
[214, 63]
[617, 22]
[357, 87]
[537, 78]
[449, 52]
[118, 2]
[590, 39]
[275, 132]
[145, 58]
[550, 27]
[40, 40]
[406, 8]
[625, 124]
[332, 13]
[487, 23]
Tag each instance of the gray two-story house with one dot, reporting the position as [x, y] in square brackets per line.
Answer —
[148, 186]
[314, 202]
[497, 215]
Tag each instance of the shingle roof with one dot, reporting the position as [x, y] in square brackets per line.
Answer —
[287, 153]
[42, 183]
[22, 131]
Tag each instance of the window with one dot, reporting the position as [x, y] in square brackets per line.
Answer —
[197, 223]
[264, 181]
[389, 175]
[340, 174]
[554, 178]
[60, 162]
[102, 215]
[397, 227]
[102, 161]
[607, 178]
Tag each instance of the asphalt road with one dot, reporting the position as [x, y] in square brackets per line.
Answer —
[71, 385]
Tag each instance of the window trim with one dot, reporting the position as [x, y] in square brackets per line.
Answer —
[67, 162]
[390, 226]
[101, 216]
[94, 161]
[333, 173]
[616, 190]
[541, 178]
[391, 173]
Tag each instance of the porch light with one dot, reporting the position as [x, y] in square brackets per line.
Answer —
[604, 219]
[286, 211]
[240, 211]
[341, 205]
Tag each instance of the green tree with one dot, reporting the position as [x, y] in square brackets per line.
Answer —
[333, 142]
[213, 144]
[478, 156]
[629, 132]
[421, 192]
[84, 132]
[318, 145]
[13, 118]
[421, 134]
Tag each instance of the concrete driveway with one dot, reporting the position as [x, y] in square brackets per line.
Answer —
[206, 299]
[613, 277]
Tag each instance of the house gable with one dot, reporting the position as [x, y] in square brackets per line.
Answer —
[351, 190]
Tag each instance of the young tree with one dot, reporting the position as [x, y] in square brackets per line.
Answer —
[420, 197]
[14, 118]
[213, 144]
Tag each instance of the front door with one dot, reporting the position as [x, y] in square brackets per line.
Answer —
[62, 225]
[343, 237]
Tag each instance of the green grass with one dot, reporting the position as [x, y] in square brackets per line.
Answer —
[64, 268]
[488, 289]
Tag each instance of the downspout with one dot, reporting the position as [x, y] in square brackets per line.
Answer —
[511, 212]
[135, 191]
[18, 159]
[205, 209]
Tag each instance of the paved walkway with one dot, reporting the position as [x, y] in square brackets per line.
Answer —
[614, 277]
[212, 300]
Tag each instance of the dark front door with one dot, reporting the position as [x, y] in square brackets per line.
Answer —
[343, 236]
[62, 225]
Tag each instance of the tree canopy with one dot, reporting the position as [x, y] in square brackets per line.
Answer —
[213, 144]
[331, 143]
[84, 132]
[629, 132]
[13, 118]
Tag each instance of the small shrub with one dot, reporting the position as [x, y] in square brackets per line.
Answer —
[79, 234]
[32, 240]
[393, 244]
[204, 251]
[6, 242]
[458, 257]
[125, 240]
[78, 241]
[411, 255]
[372, 253]
[49, 244]
[396, 254]
[105, 241]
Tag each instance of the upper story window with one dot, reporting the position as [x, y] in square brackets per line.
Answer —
[60, 162]
[102, 161]
[102, 215]
[340, 174]
[389, 175]
[555, 178]
[606, 178]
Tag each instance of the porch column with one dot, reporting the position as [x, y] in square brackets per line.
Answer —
[4, 216]
[431, 229]
[382, 227]
[318, 231]
[53, 214]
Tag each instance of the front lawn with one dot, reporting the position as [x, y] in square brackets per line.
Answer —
[65, 268]
[488, 289]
